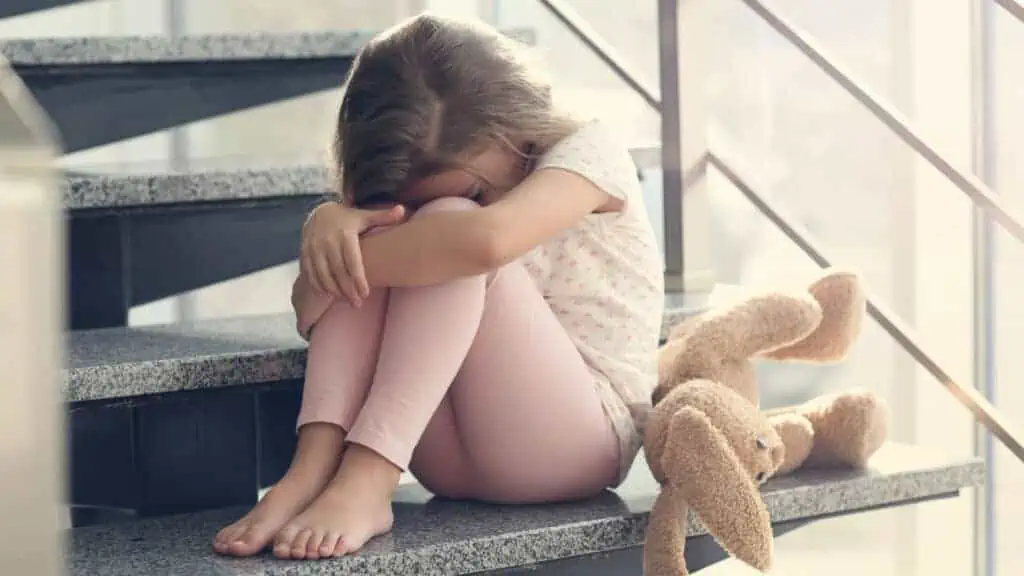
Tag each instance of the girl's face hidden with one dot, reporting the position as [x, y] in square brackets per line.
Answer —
[484, 179]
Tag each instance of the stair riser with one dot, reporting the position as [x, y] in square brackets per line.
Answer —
[120, 260]
[180, 453]
[94, 105]
[16, 7]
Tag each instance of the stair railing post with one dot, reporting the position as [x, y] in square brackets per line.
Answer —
[683, 29]
[983, 295]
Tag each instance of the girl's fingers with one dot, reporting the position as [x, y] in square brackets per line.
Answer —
[310, 272]
[323, 272]
[340, 271]
[349, 291]
[354, 263]
[336, 261]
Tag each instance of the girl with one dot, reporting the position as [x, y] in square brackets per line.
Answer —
[494, 341]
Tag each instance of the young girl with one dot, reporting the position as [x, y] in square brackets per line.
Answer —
[491, 343]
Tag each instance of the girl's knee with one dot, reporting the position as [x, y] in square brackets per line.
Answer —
[447, 204]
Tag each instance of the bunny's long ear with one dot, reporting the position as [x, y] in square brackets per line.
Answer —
[710, 477]
[739, 331]
[841, 297]
[666, 535]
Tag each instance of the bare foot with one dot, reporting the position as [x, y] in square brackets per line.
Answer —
[316, 458]
[355, 507]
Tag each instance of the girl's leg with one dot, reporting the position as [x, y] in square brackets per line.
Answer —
[342, 356]
[508, 352]
[522, 423]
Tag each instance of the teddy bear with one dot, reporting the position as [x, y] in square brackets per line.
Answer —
[710, 446]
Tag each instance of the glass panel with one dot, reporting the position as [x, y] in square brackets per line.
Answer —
[583, 80]
[923, 414]
[1007, 149]
[652, 183]
[873, 205]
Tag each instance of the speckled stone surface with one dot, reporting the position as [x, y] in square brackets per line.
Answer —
[198, 48]
[209, 180]
[115, 363]
[440, 537]
[87, 191]
[124, 362]
[149, 49]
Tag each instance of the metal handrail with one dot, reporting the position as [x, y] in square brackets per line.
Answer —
[981, 408]
[602, 49]
[974, 188]
[1016, 9]
[970, 185]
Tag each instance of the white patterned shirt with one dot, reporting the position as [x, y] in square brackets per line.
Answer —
[604, 280]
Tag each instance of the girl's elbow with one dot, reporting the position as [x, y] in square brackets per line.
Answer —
[492, 251]
[491, 248]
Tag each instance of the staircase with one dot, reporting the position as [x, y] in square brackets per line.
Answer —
[174, 429]
[194, 417]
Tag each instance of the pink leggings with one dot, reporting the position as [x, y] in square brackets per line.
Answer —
[472, 385]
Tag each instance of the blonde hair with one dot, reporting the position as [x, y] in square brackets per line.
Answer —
[432, 90]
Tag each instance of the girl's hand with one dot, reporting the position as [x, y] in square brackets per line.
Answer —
[331, 258]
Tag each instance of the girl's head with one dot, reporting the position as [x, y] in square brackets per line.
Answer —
[441, 107]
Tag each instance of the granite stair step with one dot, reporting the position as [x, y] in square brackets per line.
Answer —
[100, 90]
[212, 180]
[139, 233]
[446, 537]
[138, 190]
[113, 364]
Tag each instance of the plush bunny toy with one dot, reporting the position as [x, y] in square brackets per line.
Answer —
[706, 440]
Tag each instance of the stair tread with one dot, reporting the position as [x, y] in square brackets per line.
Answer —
[124, 362]
[197, 48]
[114, 50]
[215, 180]
[463, 538]
[92, 190]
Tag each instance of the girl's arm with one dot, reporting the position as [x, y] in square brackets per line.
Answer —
[443, 246]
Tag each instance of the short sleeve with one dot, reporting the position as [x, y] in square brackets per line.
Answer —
[594, 153]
